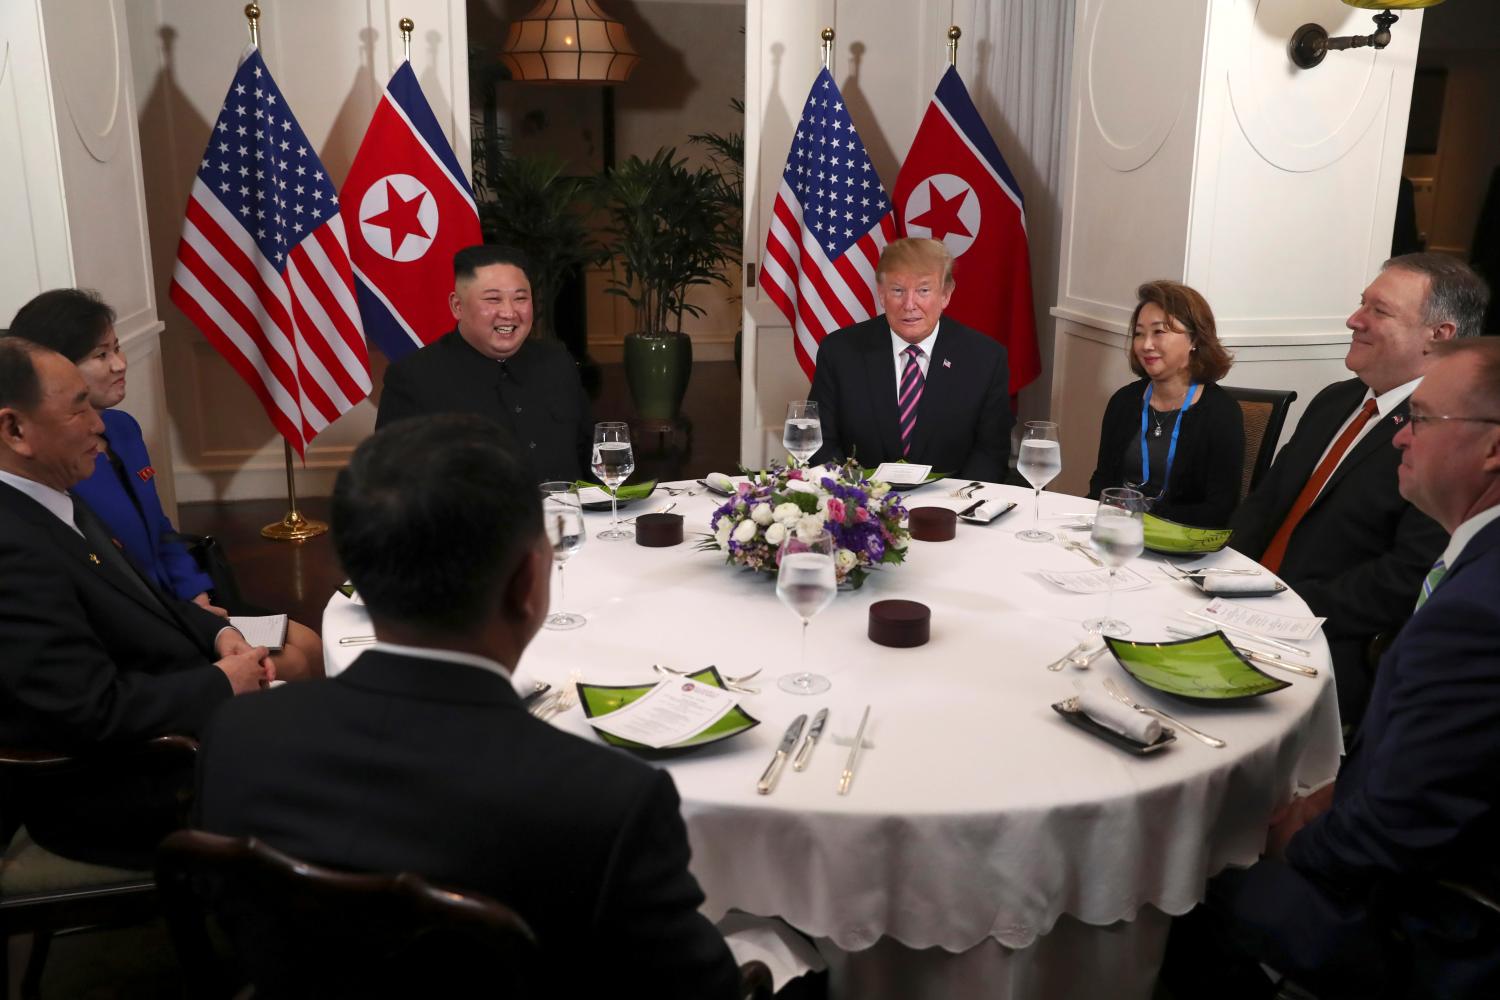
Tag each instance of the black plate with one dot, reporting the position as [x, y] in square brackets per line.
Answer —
[1068, 710]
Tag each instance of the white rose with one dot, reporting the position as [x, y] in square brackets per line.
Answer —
[787, 513]
[898, 542]
[776, 534]
[880, 489]
[845, 560]
[761, 514]
[798, 486]
[721, 534]
[744, 531]
[809, 527]
[873, 506]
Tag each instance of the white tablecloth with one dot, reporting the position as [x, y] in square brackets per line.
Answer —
[979, 817]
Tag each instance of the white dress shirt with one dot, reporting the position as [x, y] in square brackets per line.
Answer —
[1385, 403]
[899, 346]
[56, 501]
[445, 655]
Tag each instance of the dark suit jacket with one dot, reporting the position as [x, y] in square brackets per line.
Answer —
[1206, 474]
[87, 660]
[1359, 555]
[963, 421]
[133, 511]
[406, 764]
[1416, 800]
[536, 395]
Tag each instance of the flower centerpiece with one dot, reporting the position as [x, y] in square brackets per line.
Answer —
[867, 521]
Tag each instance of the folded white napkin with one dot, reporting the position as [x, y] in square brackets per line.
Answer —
[719, 481]
[1122, 719]
[990, 509]
[766, 939]
[1235, 583]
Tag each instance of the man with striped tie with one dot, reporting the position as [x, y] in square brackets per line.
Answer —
[1373, 885]
[913, 384]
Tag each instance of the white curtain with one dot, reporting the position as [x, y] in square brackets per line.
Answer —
[1023, 57]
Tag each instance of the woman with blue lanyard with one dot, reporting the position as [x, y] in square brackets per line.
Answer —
[1174, 434]
[81, 327]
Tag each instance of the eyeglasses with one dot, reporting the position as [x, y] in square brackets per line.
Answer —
[1418, 419]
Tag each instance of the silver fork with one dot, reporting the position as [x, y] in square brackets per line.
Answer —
[1077, 657]
[1073, 545]
[1118, 694]
[967, 492]
[734, 683]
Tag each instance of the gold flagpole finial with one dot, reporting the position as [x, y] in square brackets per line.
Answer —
[827, 35]
[407, 26]
[953, 35]
[252, 14]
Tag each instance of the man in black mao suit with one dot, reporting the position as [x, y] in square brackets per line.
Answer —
[1348, 900]
[1361, 548]
[420, 757]
[94, 655]
[947, 406]
[489, 366]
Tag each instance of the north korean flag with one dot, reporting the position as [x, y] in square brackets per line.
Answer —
[955, 187]
[407, 208]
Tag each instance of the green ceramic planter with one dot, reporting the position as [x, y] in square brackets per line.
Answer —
[657, 367]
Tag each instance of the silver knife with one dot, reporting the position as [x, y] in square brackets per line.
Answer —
[773, 769]
[804, 754]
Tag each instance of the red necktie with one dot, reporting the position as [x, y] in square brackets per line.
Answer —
[1276, 551]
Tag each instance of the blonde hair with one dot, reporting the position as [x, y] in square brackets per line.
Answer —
[915, 256]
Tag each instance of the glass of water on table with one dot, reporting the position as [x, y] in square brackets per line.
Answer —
[802, 435]
[613, 462]
[806, 583]
[1118, 536]
[1040, 461]
[562, 516]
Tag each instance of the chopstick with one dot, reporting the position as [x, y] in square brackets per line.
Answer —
[1239, 630]
[1268, 659]
[859, 741]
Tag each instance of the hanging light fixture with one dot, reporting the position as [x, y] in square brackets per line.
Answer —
[569, 41]
[1310, 43]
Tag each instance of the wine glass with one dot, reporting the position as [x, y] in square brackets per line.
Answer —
[562, 516]
[1040, 461]
[806, 583]
[1118, 536]
[802, 435]
[613, 462]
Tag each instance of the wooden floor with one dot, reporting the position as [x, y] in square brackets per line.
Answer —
[298, 578]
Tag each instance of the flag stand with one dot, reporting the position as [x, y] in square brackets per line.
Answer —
[953, 35]
[294, 527]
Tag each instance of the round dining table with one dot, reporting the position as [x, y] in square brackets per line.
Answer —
[986, 847]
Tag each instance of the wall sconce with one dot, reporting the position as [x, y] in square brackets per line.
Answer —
[1310, 43]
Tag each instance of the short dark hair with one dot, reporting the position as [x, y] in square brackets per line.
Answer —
[470, 259]
[70, 321]
[1486, 352]
[20, 384]
[1455, 294]
[1210, 362]
[431, 518]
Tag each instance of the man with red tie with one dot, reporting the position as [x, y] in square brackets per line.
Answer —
[1328, 518]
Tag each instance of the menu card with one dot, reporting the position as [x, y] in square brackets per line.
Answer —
[669, 713]
[1095, 581]
[1290, 627]
[901, 473]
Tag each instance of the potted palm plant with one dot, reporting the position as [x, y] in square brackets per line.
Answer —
[665, 228]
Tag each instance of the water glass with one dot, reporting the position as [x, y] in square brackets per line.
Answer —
[613, 462]
[1118, 536]
[802, 434]
[806, 583]
[1040, 461]
[562, 517]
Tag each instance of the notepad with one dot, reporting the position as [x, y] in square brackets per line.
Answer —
[261, 630]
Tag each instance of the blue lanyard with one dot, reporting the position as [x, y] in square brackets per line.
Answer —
[1171, 447]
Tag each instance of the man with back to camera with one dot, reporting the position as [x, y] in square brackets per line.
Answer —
[1328, 518]
[490, 365]
[1350, 899]
[95, 656]
[913, 384]
[419, 757]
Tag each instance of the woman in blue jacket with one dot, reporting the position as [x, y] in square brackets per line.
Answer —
[80, 326]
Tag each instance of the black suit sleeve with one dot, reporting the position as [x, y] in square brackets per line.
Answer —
[989, 459]
[825, 392]
[398, 397]
[60, 683]
[649, 906]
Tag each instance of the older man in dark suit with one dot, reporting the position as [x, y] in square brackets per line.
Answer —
[93, 655]
[490, 366]
[1351, 899]
[912, 384]
[1328, 517]
[420, 756]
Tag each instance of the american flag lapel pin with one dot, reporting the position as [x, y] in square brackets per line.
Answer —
[1399, 419]
[947, 363]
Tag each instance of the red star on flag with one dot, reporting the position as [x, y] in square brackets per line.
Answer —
[942, 214]
[400, 217]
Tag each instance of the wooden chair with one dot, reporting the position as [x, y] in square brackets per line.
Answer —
[305, 930]
[43, 894]
[1265, 412]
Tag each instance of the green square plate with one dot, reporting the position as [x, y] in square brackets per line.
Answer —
[1179, 539]
[601, 699]
[1204, 668]
[627, 494]
[932, 477]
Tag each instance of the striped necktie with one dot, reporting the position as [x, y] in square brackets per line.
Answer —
[909, 396]
[1434, 577]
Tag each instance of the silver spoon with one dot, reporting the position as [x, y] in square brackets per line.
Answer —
[1119, 695]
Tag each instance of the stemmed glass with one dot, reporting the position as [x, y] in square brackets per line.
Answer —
[806, 583]
[802, 435]
[562, 516]
[1040, 461]
[1118, 536]
[613, 462]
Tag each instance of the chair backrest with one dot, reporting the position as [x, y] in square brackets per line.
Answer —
[1264, 411]
[304, 930]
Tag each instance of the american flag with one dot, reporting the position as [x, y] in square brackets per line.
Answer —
[830, 221]
[263, 265]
